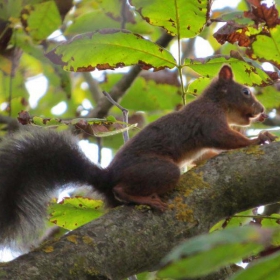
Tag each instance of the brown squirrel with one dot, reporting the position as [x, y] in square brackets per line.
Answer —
[149, 164]
[35, 163]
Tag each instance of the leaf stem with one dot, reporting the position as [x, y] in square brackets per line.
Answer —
[124, 111]
[180, 67]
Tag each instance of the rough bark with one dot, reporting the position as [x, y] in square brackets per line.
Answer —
[128, 240]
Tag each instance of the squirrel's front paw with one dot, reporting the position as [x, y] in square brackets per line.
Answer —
[266, 137]
[262, 117]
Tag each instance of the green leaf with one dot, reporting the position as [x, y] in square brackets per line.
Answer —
[273, 222]
[89, 120]
[97, 19]
[10, 8]
[149, 96]
[90, 21]
[236, 18]
[264, 269]
[240, 219]
[5, 65]
[269, 97]
[177, 17]
[146, 95]
[111, 119]
[244, 73]
[75, 212]
[197, 86]
[110, 49]
[53, 122]
[266, 47]
[40, 20]
[19, 92]
[116, 131]
[213, 251]
[38, 121]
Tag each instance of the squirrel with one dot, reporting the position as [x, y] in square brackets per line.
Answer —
[36, 162]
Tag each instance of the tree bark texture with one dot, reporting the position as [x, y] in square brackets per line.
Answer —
[131, 239]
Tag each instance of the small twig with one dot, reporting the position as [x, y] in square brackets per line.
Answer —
[256, 217]
[11, 87]
[12, 74]
[123, 14]
[124, 111]
[99, 145]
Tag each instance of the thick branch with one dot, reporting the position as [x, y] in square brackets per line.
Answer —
[127, 240]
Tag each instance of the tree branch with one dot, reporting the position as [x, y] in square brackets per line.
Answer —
[93, 85]
[128, 240]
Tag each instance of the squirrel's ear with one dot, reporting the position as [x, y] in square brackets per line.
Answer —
[226, 73]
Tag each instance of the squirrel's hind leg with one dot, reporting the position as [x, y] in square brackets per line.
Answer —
[152, 200]
[143, 182]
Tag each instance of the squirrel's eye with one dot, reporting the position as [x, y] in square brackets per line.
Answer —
[246, 91]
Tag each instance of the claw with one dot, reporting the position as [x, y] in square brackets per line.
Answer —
[266, 137]
[262, 117]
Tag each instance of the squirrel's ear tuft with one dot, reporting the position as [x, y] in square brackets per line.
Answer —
[226, 73]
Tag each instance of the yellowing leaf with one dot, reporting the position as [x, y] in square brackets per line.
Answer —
[266, 47]
[48, 249]
[40, 20]
[75, 212]
[72, 238]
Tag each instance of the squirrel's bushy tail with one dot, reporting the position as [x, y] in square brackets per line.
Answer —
[33, 164]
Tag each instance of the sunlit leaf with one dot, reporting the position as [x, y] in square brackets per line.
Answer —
[240, 219]
[197, 86]
[10, 8]
[40, 20]
[97, 19]
[110, 49]
[75, 212]
[18, 92]
[86, 22]
[269, 97]
[244, 73]
[186, 18]
[146, 95]
[266, 47]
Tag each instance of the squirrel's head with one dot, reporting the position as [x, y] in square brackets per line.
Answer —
[239, 102]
